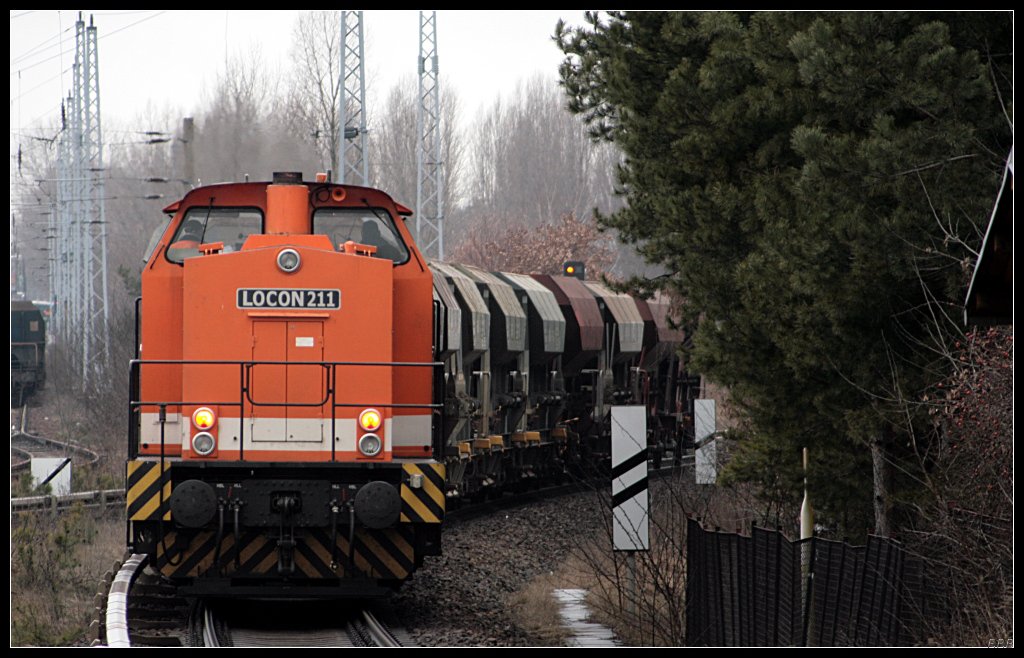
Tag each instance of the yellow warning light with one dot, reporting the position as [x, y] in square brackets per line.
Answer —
[204, 418]
[576, 268]
[370, 420]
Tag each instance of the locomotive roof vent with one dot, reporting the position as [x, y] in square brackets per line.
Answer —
[287, 178]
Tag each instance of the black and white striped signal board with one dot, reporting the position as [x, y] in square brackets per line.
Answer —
[629, 479]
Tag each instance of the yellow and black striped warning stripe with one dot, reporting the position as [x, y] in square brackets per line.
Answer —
[383, 554]
[149, 491]
[423, 504]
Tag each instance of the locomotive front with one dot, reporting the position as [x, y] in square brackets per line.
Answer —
[28, 350]
[282, 436]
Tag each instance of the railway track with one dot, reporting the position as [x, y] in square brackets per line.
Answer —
[359, 626]
[140, 610]
[25, 446]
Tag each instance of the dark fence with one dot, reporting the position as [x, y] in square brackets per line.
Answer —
[755, 591]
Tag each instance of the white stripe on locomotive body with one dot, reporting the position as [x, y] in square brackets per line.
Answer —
[150, 430]
[266, 433]
[308, 433]
[410, 430]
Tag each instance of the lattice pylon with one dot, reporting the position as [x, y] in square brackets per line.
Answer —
[95, 228]
[352, 162]
[429, 163]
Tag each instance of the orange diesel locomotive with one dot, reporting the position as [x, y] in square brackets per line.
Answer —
[267, 452]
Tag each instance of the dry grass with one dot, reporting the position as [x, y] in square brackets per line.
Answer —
[650, 610]
[56, 567]
[535, 610]
[646, 612]
[57, 563]
[63, 415]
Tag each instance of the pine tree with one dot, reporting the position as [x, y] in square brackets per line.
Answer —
[814, 183]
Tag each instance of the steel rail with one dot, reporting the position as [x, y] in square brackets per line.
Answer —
[379, 633]
[117, 601]
[102, 499]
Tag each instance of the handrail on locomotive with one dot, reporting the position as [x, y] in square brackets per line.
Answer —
[245, 370]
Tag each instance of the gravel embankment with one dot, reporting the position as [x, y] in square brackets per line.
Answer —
[461, 598]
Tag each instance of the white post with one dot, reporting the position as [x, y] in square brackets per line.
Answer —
[706, 450]
[806, 548]
[630, 496]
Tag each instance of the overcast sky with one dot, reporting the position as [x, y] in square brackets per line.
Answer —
[168, 57]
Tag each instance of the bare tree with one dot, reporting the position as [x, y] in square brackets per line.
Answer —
[314, 91]
[540, 250]
[533, 160]
[33, 193]
[393, 147]
[230, 138]
[394, 142]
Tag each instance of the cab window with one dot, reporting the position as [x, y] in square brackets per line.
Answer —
[206, 225]
[370, 226]
[154, 239]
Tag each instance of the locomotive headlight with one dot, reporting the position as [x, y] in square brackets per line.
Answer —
[288, 260]
[370, 445]
[203, 418]
[203, 444]
[370, 420]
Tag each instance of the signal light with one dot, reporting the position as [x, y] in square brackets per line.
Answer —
[370, 420]
[204, 418]
[370, 445]
[288, 260]
[575, 268]
[203, 444]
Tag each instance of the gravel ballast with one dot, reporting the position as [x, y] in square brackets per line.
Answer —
[461, 598]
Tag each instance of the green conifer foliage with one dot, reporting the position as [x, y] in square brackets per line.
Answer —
[817, 185]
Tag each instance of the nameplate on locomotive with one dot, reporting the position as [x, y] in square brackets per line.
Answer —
[289, 298]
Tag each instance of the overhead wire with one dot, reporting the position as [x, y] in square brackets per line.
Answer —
[28, 91]
[60, 43]
[141, 20]
[42, 46]
[119, 13]
[103, 36]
